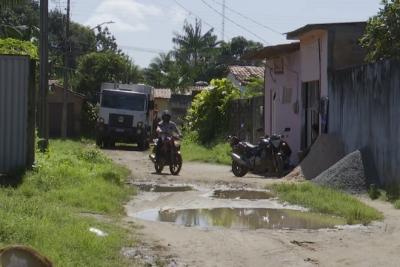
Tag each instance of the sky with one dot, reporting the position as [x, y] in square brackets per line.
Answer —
[145, 28]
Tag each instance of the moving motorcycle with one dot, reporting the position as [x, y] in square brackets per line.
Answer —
[271, 155]
[169, 154]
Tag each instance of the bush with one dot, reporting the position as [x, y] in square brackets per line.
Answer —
[11, 46]
[208, 114]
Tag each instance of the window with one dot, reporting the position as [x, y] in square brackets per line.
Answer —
[278, 65]
[287, 95]
[123, 100]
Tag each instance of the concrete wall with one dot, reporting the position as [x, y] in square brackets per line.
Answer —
[364, 110]
[279, 115]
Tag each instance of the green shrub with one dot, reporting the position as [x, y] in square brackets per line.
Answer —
[374, 192]
[209, 111]
[11, 46]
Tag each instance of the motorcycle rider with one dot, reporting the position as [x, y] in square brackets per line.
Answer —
[167, 127]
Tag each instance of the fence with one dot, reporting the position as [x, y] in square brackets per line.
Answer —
[17, 113]
[364, 110]
[247, 118]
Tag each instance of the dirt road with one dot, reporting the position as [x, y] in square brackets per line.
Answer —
[180, 245]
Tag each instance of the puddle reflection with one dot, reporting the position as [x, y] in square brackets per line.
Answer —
[243, 218]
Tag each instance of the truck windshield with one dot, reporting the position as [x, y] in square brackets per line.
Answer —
[121, 100]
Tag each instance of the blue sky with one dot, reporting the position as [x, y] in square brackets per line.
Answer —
[144, 28]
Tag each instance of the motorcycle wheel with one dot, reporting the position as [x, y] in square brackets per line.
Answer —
[158, 166]
[280, 166]
[176, 165]
[238, 170]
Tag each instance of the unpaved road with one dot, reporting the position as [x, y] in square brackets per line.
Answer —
[374, 245]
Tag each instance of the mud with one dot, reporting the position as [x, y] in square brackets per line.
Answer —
[163, 188]
[239, 218]
[242, 194]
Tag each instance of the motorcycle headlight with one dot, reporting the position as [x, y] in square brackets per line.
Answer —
[140, 124]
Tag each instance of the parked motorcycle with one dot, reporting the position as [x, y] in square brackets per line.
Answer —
[169, 154]
[271, 155]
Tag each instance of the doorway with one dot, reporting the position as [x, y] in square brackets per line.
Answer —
[311, 95]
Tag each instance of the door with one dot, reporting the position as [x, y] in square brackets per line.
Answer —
[311, 94]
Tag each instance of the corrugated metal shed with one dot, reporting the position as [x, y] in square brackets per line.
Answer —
[14, 123]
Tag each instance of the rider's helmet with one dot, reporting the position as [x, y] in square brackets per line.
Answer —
[166, 116]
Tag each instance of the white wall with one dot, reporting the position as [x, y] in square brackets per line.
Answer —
[279, 116]
[313, 46]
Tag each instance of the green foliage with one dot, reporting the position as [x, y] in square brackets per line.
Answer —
[217, 153]
[382, 35]
[11, 46]
[255, 87]
[89, 118]
[374, 192]
[326, 200]
[208, 112]
[98, 67]
[45, 211]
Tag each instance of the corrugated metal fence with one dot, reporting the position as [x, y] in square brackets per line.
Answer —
[364, 110]
[16, 113]
[246, 118]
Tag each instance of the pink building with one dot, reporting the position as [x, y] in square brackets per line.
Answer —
[297, 79]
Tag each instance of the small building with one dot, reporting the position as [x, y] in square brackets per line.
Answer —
[298, 77]
[162, 97]
[240, 76]
[75, 103]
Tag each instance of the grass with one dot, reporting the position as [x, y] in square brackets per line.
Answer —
[44, 211]
[328, 201]
[219, 153]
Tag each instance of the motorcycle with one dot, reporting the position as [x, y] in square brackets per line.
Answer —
[169, 154]
[272, 154]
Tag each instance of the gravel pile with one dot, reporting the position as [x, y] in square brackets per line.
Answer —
[347, 174]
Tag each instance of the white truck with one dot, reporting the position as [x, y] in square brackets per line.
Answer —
[125, 115]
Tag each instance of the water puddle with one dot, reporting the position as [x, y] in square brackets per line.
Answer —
[163, 188]
[243, 218]
[242, 194]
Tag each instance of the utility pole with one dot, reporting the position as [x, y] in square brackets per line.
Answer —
[223, 20]
[64, 119]
[44, 80]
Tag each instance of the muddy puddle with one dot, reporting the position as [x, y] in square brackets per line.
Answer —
[242, 194]
[243, 218]
[163, 188]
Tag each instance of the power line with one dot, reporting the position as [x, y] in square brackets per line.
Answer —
[235, 23]
[246, 17]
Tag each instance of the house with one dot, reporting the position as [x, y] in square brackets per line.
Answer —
[162, 97]
[298, 78]
[75, 103]
[240, 76]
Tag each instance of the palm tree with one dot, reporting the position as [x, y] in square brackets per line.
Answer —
[192, 46]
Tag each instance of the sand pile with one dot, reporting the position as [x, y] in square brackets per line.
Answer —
[326, 151]
[347, 174]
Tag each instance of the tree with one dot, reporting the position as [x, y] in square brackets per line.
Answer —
[98, 67]
[17, 47]
[105, 41]
[208, 112]
[382, 35]
[195, 51]
[163, 71]
[232, 51]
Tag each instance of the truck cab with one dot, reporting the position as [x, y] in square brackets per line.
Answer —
[125, 114]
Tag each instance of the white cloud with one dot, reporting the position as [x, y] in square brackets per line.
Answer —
[128, 15]
[177, 15]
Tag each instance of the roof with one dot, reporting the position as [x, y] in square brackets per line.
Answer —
[272, 51]
[54, 83]
[164, 93]
[244, 73]
[294, 35]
